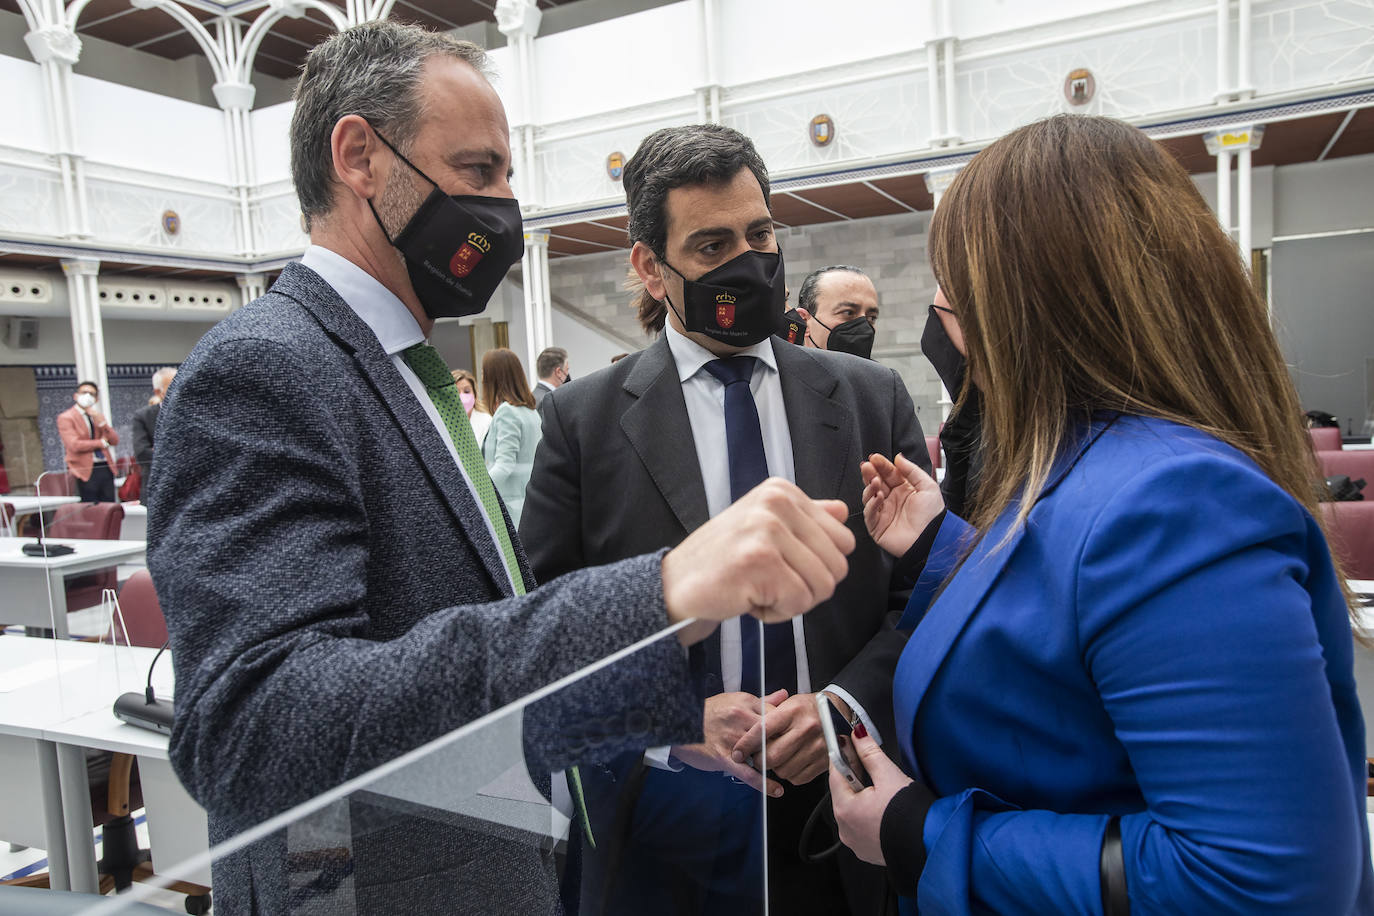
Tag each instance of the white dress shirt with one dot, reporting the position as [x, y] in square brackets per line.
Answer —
[396, 329]
[705, 397]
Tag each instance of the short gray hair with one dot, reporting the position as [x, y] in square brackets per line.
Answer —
[373, 71]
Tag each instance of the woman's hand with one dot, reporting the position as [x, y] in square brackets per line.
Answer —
[859, 815]
[899, 501]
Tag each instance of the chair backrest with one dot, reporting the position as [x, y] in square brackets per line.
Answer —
[1353, 464]
[6, 520]
[142, 614]
[1325, 438]
[92, 521]
[933, 446]
[1350, 532]
[55, 483]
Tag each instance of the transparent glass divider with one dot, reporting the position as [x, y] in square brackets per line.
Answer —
[546, 805]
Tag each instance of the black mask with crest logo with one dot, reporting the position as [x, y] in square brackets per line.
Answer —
[458, 247]
[738, 303]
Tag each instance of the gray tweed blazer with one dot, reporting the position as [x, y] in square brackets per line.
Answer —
[334, 600]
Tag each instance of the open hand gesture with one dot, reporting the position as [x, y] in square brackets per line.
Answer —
[899, 501]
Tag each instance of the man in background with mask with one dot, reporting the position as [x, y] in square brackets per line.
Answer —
[840, 307]
[86, 440]
[641, 455]
[553, 370]
[340, 580]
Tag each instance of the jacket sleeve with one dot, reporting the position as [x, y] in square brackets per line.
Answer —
[258, 543]
[867, 678]
[1194, 622]
[143, 439]
[551, 522]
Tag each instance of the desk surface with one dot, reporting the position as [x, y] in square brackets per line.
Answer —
[12, 555]
[64, 691]
[23, 505]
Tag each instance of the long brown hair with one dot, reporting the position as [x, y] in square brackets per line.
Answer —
[503, 380]
[1088, 273]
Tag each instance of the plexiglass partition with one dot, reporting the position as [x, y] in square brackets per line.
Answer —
[581, 797]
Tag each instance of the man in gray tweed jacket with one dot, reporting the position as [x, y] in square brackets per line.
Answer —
[339, 582]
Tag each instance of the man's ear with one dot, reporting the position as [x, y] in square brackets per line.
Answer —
[358, 161]
[646, 264]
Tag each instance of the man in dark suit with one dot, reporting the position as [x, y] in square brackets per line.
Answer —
[145, 428]
[340, 581]
[642, 454]
[552, 370]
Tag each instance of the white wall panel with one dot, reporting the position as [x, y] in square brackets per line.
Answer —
[277, 224]
[762, 39]
[22, 108]
[619, 63]
[574, 170]
[1137, 72]
[141, 130]
[506, 79]
[1309, 43]
[128, 215]
[271, 142]
[976, 18]
[30, 201]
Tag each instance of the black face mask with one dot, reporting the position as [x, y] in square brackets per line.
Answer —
[793, 327]
[853, 336]
[949, 363]
[457, 248]
[740, 303]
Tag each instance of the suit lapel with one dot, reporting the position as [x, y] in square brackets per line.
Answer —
[820, 428]
[964, 596]
[657, 427]
[352, 333]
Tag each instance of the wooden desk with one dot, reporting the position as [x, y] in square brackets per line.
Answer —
[33, 587]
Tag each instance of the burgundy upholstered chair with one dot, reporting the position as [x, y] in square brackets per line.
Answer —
[1325, 438]
[89, 521]
[1350, 530]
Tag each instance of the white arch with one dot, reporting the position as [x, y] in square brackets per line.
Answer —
[263, 24]
[32, 17]
[218, 65]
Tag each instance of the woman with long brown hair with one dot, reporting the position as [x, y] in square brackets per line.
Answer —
[514, 433]
[1129, 687]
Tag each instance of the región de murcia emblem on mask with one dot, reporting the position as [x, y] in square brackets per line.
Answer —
[725, 310]
[466, 258]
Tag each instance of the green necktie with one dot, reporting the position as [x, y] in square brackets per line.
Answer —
[426, 362]
[431, 369]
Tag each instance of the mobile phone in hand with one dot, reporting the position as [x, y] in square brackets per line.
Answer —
[843, 757]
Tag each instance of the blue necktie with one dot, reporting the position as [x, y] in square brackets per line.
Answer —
[748, 469]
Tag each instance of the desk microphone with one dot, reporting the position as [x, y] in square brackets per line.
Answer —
[144, 709]
[39, 549]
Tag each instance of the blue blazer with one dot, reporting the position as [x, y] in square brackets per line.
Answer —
[1165, 640]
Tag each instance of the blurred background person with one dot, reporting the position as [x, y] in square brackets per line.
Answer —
[552, 368]
[840, 306]
[145, 426]
[478, 415]
[1134, 691]
[510, 443]
[86, 440]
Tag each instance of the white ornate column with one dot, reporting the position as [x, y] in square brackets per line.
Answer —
[1240, 143]
[538, 302]
[236, 101]
[88, 336]
[941, 99]
[56, 48]
[519, 21]
[937, 182]
[708, 86]
[251, 286]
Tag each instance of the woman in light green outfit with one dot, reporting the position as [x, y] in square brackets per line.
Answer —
[509, 447]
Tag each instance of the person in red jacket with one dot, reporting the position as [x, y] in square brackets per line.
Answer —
[86, 440]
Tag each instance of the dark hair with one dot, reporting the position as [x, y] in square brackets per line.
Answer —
[547, 362]
[371, 70]
[503, 380]
[806, 296]
[80, 385]
[675, 157]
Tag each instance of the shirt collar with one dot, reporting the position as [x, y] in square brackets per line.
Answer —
[378, 307]
[690, 356]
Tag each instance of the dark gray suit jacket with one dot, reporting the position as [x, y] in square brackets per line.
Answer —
[144, 426]
[334, 598]
[616, 474]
